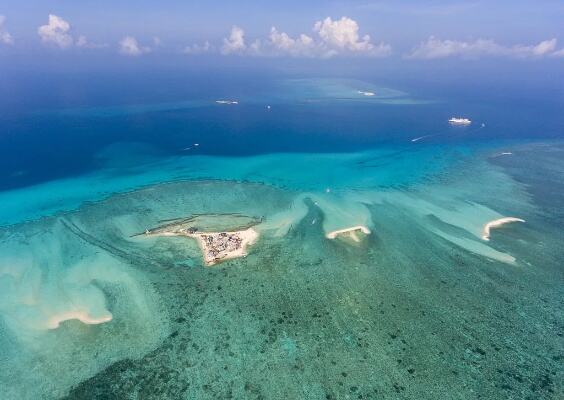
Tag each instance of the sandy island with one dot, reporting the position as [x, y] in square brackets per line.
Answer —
[216, 246]
[349, 232]
[497, 223]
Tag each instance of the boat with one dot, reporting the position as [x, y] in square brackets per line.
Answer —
[365, 93]
[459, 121]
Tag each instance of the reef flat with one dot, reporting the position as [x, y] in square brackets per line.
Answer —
[422, 307]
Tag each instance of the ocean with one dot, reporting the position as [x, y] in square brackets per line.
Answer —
[426, 305]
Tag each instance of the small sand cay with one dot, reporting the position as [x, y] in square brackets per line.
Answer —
[496, 224]
[350, 233]
[82, 316]
[216, 234]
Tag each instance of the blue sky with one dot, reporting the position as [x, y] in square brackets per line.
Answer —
[461, 28]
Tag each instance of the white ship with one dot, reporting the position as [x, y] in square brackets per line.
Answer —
[365, 93]
[227, 102]
[459, 121]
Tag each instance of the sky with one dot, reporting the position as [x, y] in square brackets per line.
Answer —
[406, 30]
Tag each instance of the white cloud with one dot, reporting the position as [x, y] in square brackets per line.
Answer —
[5, 36]
[56, 32]
[558, 53]
[339, 37]
[435, 48]
[342, 34]
[199, 48]
[283, 44]
[541, 49]
[84, 43]
[130, 47]
[235, 43]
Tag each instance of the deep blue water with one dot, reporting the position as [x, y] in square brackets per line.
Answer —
[54, 124]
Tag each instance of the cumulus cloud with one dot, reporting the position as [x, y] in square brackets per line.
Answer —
[332, 38]
[206, 47]
[342, 34]
[435, 48]
[5, 36]
[56, 32]
[235, 43]
[282, 44]
[130, 47]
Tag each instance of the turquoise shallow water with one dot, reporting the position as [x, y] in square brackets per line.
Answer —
[422, 307]
[127, 166]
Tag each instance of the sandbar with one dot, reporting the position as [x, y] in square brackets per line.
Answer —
[349, 232]
[82, 316]
[497, 223]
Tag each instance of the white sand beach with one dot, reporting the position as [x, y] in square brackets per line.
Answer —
[497, 223]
